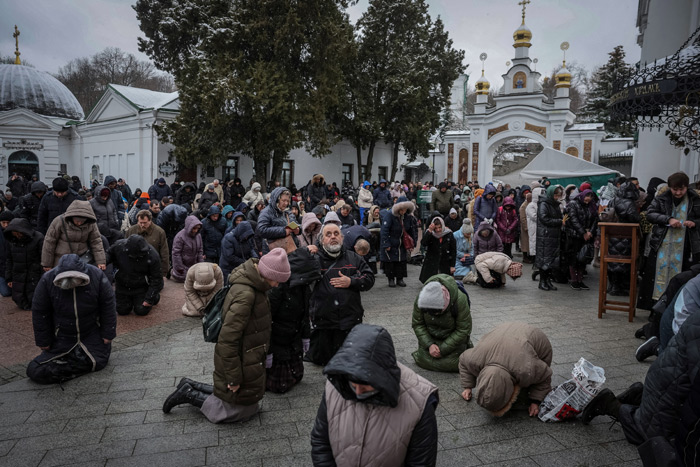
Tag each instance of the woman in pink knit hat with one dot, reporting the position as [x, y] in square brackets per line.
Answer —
[241, 350]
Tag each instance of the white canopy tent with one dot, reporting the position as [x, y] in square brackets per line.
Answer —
[555, 164]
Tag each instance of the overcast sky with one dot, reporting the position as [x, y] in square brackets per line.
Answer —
[53, 32]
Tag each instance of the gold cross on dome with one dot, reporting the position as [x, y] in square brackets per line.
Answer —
[17, 54]
[524, 3]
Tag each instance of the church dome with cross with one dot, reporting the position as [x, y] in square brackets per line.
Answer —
[24, 87]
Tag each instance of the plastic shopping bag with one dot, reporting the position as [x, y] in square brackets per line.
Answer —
[570, 398]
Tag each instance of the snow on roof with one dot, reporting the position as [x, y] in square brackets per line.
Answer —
[145, 98]
[586, 127]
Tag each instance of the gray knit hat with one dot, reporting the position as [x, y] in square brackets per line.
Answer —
[434, 296]
[467, 227]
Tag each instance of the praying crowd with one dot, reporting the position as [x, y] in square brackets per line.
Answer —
[288, 267]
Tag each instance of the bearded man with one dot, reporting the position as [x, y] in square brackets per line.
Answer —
[335, 305]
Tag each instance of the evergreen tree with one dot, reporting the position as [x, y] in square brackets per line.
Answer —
[400, 80]
[255, 77]
[601, 90]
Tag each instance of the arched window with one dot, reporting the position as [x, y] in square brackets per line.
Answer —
[573, 151]
[520, 80]
[95, 172]
[23, 163]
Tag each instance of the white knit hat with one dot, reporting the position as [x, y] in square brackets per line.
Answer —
[433, 296]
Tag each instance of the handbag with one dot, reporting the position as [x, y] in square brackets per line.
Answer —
[585, 254]
[87, 257]
[407, 240]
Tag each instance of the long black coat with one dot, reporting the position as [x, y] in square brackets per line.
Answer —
[625, 205]
[549, 226]
[392, 231]
[29, 203]
[338, 308]
[23, 265]
[138, 267]
[666, 387]
[84, 314]
[186, 194]
[440, 255]
[581, 220]
[289, 306]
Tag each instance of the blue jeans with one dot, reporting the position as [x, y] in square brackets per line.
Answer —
[4, 289]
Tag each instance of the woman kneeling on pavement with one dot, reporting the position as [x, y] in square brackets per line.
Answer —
[442, 322]
[239, 355]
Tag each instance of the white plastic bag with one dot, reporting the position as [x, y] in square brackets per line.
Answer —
[570, 398]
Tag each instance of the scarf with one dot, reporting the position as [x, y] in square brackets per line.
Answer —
[669, 259]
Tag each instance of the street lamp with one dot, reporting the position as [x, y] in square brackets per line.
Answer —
[441, 148]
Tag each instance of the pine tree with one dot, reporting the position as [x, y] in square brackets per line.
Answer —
[601, 89]
[257, 77]
[400, 80]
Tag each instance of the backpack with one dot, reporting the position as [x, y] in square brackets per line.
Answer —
[211, 321]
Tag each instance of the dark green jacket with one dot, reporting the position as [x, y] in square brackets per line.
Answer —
[449, 329]
[239, 355]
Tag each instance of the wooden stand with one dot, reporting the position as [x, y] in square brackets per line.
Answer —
[613, 230]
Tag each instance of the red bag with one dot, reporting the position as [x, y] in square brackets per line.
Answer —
[408, 242]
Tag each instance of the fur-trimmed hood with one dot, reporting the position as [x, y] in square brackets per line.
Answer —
[403, 203]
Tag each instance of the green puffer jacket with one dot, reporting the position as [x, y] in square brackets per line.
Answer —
[239, 354]
[449, 329]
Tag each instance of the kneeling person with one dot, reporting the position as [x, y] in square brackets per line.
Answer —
[374, 411]
[492, 268]
[442, 322]
[139, 278]
[74, 320]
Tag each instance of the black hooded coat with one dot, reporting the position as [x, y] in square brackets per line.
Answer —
[80, 316]
[138, 268]
[23, 265]
[29, 203]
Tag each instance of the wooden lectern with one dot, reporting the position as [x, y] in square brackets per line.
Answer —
[614, 230]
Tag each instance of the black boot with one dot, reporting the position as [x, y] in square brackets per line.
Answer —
[400, 282]
[391, 282]
[543, 283]
[548, 278]
[203, 387]
[633, 395]
[186, 394]
[605, 403]
[647, 349]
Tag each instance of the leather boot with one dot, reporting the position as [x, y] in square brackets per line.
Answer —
[400, 282]
[186, 394]
[543, 283]
[391, 282]
[548, 278]
[605, 403]
[203, 387]
[633, 395]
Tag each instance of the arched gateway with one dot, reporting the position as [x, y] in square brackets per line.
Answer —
[519, 110]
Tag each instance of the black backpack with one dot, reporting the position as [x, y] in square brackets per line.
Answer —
[211, 321]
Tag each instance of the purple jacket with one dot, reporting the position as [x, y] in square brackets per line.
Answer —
[187, 249]
[507, 221]
[490, 243]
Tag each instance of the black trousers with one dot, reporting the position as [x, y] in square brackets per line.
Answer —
[498, 282]
[58, 370]
[324, 343]
[132, 300]
[395, 269]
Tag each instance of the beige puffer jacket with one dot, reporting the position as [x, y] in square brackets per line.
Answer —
[64, 237]
[513, 354]
[492, 261]
[202, 282]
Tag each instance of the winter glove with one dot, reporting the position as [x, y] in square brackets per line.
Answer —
[268, 361]
[305, 344]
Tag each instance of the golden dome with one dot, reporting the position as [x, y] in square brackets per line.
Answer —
[482, 85]
[522, 36]
[563, 78]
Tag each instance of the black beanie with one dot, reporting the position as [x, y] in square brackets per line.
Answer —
[60, 184]
[6, 215]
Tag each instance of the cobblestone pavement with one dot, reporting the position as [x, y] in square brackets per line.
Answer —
[114, 417]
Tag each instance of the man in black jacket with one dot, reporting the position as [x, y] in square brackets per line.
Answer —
[29, 203]
[54, 203]
[139, 280]
[74, 322]
[374, 410]
[335, 306]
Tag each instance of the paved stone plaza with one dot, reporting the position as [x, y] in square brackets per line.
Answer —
[114, 417]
